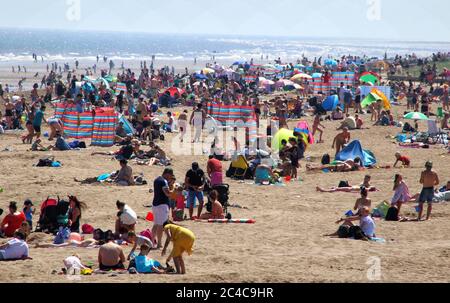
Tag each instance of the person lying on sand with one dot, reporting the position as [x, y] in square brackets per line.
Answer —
[88, 243]
[15, 249]
[156, 156]
[347, 166]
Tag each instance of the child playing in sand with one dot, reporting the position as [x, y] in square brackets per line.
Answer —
[406, 162]
[73, 265]
[144, 265]
[29, 211]
[316, 128]
[178, 212]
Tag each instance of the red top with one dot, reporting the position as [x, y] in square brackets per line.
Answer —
[405, 160]
[214, 165]
[12, 223]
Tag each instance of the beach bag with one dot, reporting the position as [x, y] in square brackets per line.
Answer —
[45, 162]
[326, 159]
[343, 231]
[87, 229]
[178, 215]
[356, 233]
[381, 210]
[392, 214]
[62, 235]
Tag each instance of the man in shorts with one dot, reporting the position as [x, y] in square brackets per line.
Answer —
[37, 121]
[195, 182]
[161, 203]
[429, 179]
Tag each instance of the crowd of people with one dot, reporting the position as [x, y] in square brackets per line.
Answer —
[143, 98]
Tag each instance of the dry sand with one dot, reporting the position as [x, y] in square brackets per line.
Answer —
[285, 245]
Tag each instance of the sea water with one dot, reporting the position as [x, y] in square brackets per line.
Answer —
[66, 46]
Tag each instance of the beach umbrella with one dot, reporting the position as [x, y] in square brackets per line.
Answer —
[299, 66]
[269, 66]
[369, 99]
[239, 62]
[331, 62]
[207, 71]
[175, 90]
[384, 98]
[284, 82]
[299, 77]
[369, 78]
[200, 76]
[415, 116]
[266, 82]
[282, 134]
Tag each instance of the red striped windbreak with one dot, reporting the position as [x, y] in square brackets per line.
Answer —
[105, 123]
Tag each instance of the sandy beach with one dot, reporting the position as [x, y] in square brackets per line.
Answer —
[287, 244]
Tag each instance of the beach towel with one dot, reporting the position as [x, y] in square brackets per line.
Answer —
[354, 150]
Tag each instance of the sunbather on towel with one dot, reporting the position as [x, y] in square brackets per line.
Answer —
[347, 166]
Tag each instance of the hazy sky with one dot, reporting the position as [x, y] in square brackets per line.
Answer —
[398, 19]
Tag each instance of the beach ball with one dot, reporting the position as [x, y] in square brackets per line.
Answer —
[150, 217]
[75, 237]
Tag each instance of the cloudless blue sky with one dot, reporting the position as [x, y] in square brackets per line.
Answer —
[412, 20]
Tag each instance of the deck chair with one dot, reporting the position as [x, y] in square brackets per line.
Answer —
[239, 168]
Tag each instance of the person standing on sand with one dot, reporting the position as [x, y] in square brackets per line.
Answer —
[429, 179]
[341, 140]
[316, 128]
[161, 203]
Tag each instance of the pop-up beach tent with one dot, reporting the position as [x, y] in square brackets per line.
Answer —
[331, 103]
[355, 150]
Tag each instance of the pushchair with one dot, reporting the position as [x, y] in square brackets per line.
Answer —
[54, 214]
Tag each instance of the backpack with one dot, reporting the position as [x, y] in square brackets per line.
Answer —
[45, 162]
[343, 231]
[326, 159]
[392, 214]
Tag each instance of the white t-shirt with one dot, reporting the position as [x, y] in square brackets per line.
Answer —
[128, 216]
[17, 249]
[367, 226]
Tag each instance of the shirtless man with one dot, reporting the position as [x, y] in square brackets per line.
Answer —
[341, 140]
[111, 257]
[429, 179]
[316, 127]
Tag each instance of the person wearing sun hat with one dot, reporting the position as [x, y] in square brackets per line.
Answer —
[429, 179]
